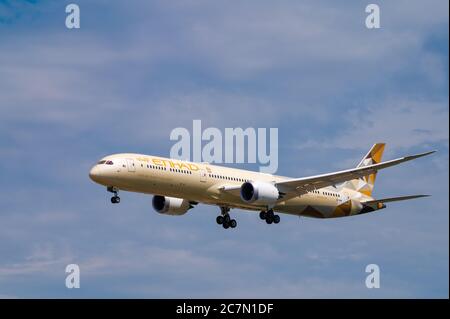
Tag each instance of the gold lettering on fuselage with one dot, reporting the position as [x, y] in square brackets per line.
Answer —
[157, 161]
[173, 164]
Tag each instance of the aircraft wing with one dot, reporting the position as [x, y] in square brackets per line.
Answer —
[231, 189]
[299, 186]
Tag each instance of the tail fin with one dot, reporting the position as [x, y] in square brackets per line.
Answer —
[365, 184]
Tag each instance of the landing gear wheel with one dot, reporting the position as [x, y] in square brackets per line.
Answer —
[269, 219]
[276, 219]
[224, 219]
[115, 199]
[263, 215]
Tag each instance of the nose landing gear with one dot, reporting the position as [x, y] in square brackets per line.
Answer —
[115, 199]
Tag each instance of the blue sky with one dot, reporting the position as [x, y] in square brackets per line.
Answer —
[133, 72]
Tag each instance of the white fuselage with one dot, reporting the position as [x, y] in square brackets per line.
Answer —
[204, 183]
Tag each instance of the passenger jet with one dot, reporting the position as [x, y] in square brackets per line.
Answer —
[177, 186]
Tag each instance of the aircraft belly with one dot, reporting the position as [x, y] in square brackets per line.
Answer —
[188, 188]
[312, 206]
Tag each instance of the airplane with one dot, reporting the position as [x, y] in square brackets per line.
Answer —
[177, 186]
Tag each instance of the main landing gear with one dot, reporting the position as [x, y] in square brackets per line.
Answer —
[225, 220]
[269, 217]
[115, 199]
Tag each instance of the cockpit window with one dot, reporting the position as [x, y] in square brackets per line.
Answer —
[101, 162]
[109, 163]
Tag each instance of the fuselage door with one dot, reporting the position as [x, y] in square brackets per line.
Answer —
[130, 164]
[203, 176]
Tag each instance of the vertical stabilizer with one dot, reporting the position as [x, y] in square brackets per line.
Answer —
[365, 184]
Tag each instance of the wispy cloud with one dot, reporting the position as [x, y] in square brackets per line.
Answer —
[132, 73]
[400, 123]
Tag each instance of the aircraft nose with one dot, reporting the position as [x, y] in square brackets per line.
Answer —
[94, 173]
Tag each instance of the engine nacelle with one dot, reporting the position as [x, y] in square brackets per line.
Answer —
[259, 193]
[170, 205]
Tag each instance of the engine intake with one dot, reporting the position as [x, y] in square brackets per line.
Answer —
[259, 193]
[170, 205]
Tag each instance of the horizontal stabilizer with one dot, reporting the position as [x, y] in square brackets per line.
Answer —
[391, 199]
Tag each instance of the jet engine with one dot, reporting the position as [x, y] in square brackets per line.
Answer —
[170, 205]
[259, 193]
